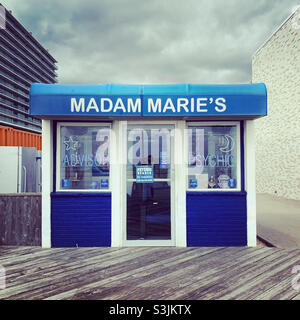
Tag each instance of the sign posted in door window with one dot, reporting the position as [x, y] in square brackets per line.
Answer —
[144, 174]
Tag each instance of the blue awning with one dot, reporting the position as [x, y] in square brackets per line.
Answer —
[179, 100]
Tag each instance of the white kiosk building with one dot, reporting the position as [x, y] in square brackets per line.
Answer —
[130, 165]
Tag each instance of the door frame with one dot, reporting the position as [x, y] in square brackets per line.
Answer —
[123, 181]
[118, 155]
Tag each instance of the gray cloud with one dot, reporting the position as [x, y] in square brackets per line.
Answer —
[170, 41]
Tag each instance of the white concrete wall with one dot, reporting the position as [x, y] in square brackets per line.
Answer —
[277, 64]
[9, 163]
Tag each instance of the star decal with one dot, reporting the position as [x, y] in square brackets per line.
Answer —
[71, 144]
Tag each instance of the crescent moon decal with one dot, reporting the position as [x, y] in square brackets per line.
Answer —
[229, 144]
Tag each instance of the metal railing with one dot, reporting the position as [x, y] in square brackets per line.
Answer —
[36, 57]
[17, 75]
[6, 105]
[5, 95]
[11, 62]
[14, 81]
[22, 62]
[26, 57]
[10, 91]
[19, 119]
[11, 88]
[32, 44]
[33, 127]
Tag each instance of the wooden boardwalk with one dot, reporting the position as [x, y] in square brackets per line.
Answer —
[144, 273]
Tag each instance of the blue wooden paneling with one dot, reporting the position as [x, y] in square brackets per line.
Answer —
[216, 219]
[80, 219]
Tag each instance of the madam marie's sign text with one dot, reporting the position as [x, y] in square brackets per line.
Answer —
[147, 105]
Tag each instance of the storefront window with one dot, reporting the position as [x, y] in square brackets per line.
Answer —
[83, 157]
[213, 157]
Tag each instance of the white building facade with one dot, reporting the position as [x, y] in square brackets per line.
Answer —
[277, 64]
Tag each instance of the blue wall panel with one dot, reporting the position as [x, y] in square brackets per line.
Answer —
[80, 219]
[216, 219]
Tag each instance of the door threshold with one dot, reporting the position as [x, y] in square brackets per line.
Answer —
[148, 243]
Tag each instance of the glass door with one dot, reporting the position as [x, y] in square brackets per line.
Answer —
[149, 176]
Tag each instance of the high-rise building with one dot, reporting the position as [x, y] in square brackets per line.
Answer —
[23, 60]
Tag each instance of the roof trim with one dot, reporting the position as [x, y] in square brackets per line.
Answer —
[275, 31]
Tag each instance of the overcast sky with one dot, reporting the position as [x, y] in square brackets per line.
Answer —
[149, 41]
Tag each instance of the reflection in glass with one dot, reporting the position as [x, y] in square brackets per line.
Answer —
[149, 203]
[84, 157]
[212, 157]
[148, 211]
[149, 145]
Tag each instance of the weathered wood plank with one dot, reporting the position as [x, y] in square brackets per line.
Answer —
[200, 275]
[274, 282]
[113, 274]
[57, 277]
[58, 268]
[157, 270]
[175, 279]
[28, 253]
[256, 275]
[57, 254]
[103, 265]
[148, 273]
[231, 277]
[170, 275]
[152, 293]
[282, 290]
[185, 288]
[102, 274]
